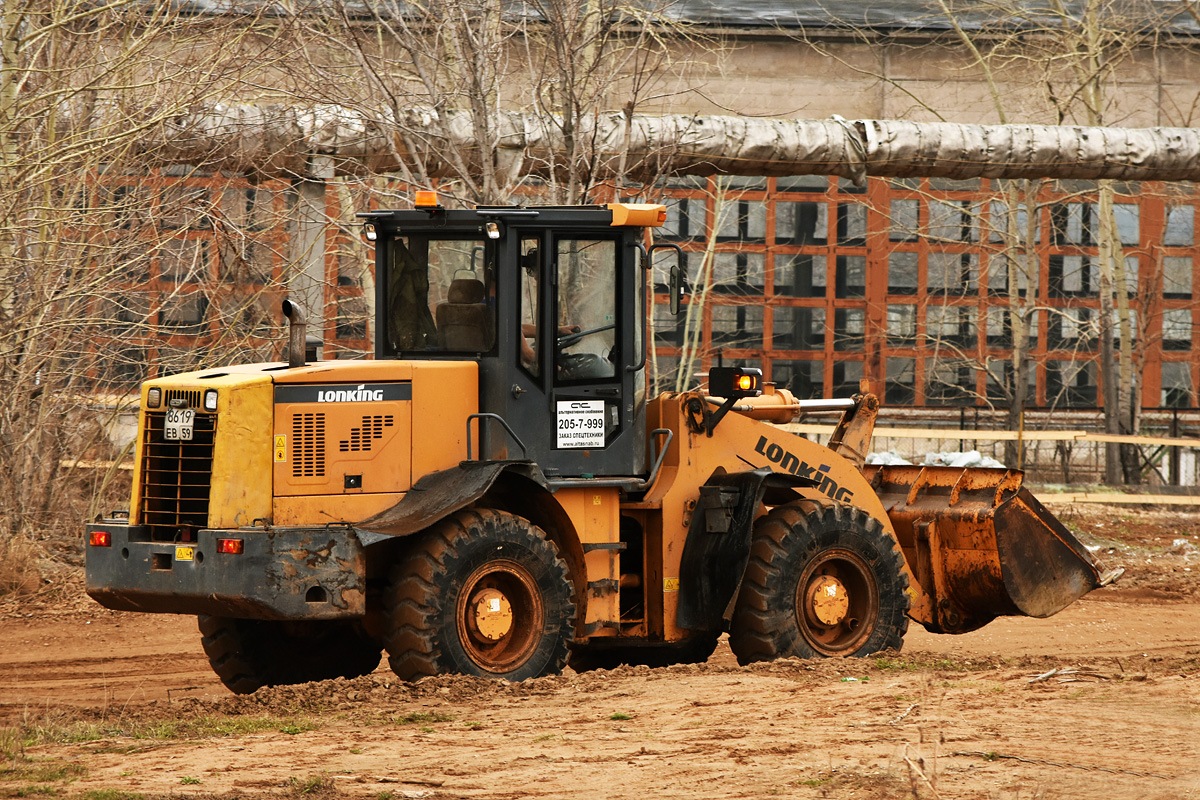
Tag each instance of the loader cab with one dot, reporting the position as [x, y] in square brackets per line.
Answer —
[551, 304]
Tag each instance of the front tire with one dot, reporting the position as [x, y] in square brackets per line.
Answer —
[248, 654]
[481, 593]
[823, 580]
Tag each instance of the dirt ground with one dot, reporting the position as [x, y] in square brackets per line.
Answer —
[1100, 701]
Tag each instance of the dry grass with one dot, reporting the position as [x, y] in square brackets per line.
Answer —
[19, 572]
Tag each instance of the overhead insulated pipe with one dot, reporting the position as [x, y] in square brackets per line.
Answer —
[275, 139]
[297, 328]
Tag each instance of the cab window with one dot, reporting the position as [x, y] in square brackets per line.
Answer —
[587, 310]
[440, 296]
[528, 339]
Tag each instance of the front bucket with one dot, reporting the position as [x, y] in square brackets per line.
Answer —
[981, 546]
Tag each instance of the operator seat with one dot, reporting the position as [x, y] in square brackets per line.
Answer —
[465, 321]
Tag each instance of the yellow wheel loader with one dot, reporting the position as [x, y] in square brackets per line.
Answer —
[496, 495]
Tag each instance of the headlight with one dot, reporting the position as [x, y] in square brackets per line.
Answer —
[154, 398]
[210, 400]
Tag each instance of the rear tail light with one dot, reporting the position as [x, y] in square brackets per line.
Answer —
[100, 539]
[231, 547]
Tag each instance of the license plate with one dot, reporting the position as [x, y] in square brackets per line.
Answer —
[179, 425]
[185, 554]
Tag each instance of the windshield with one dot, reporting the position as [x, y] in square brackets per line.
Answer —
[440, 296]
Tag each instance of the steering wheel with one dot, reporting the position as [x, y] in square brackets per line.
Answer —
[571, 338]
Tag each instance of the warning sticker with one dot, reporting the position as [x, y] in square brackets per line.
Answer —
[580, 423]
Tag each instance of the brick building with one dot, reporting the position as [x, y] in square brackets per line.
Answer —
[819, 281]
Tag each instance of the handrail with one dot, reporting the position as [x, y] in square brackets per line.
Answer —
[501, 420]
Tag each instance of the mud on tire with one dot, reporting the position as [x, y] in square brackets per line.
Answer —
[823, 580]
[481, 593]
[248, 654]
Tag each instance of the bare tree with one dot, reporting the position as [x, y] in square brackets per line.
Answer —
[1079, 51]
[106, 265]
[525, 84]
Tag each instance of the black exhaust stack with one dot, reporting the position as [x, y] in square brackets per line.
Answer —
[297, 336]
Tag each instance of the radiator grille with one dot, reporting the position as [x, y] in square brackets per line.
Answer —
[361, 437]
[190, 397]
[308, 445]
[176, 476]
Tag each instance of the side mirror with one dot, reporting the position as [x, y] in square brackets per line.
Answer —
[676, 288]
[676, 275]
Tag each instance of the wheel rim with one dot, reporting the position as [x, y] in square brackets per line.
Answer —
[500, 616]
[837, 602]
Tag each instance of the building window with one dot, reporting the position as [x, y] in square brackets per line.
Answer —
[1177, 329]
[949, 382]
[951, 325]
[953, 273]
[805, 379]
[665, 375]
[1000, 218]
[351, 320]
[849, 328]
[1000, 389]
[738, 273]
[1073, 276]
[801, 223]
[1073, 223]
[847, 376]
[951, 221]
[902, 324]
[947, 248]
[687, 218]
[737, 326]
[1072, 328]
[800, 275]
[668, 327]
[1177, 277]
[184, 260]
[1177, 384]
[904, 223]
[184, 313]
[851, 224]
[1000, 326]
[1071, 384]
[851, 277]
[743, 221]
[799, 328]
[185, 207]
[901, 381]
[902, 273]
[123, 367]
[1180, 230]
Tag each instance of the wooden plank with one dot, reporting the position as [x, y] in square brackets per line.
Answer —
[1157, 441]
[1003, 436]
[72, 463]
[980, 436]
[1119, 498]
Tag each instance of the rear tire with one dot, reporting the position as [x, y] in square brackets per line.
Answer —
[248, 654]
[481, 593]
[823, 580]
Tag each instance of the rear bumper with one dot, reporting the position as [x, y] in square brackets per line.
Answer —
[317, 573]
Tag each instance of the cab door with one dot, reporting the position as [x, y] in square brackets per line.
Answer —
[577, 395]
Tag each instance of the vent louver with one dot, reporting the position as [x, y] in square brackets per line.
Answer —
[308, 445]
[361, 437]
